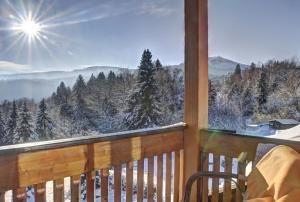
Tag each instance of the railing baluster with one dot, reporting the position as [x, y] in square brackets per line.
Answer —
[140, 180]
[176, 175]
[129, 176]
[168, 176]
[75, 181]
[104, 184]
[150, 179]
[19, 195]
[241, 184]
[205, 161]
[40, 192]
[58, 190]
[215, 181]
[159, 178]
[90, 186]
[117, 183]
[227, 193]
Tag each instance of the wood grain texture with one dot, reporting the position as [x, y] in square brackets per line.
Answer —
[230, 144]
[215, 182]
[241, 184]
[196, 84]
[129, 179]
[104, 185]
[117, 183]
[58, 190]
[159, 178]
[140, 180]
[150, 179]
[90, 186]
[168, 176]
[75, 182]
[37, 167]
[176, 184]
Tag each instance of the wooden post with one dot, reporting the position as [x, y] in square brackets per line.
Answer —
[196, 84]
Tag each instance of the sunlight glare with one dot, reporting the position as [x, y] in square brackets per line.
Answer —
[30, 28]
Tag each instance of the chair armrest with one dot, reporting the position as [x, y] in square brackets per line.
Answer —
[199, 175]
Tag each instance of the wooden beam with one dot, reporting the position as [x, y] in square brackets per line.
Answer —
[196, 83]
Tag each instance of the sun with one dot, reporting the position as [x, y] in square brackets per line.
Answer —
[30, 27]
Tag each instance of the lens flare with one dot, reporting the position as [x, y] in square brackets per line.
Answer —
[30, 28]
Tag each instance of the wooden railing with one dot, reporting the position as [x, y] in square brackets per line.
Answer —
[220, 152]
[89, 163]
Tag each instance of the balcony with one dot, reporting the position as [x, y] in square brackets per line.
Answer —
[173, 153]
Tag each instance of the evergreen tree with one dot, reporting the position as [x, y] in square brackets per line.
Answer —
[262, 89]
[24, 129]
[252, 66]
[11, 125]
[238, 72]
[62, 99]
[111, 76]
[80, 119]
[109, 108]
[91, 84]
[212, 94]
[143, 105]
[101, 76]
[44, 124]
[2, 130]
[158, 65]
[247, 102]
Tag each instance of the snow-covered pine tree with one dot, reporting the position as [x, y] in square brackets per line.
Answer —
[92, 83]
[24, 129]
[238, 72]
[262, 88]
[11, 125]
[62, 99]
[143, 105]
[80, 121]
[2, 130]
[44, 124]
[109, 108]
[101, 76]
[248, 102]
[158, 65]
[212, 94]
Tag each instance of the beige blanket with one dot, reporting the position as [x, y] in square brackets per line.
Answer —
[276, 177]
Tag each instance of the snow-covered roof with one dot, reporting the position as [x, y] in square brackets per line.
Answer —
[286, 121]
[288, 134]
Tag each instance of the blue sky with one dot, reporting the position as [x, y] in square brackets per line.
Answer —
[77, 33]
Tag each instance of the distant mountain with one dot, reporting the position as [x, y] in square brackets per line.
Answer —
[42, 84]
[218, 66]
[85, 72]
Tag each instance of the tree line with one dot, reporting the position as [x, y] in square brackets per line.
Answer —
[257, 94]
[150, 96]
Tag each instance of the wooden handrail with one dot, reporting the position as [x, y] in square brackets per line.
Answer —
[232, 144]
[35, 163]
[68, 142]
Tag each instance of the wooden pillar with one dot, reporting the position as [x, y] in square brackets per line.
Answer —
[196, 84]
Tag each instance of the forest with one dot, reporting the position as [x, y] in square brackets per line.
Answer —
[152, 96]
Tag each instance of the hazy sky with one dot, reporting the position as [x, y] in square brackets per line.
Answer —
[76, 33]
